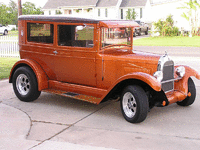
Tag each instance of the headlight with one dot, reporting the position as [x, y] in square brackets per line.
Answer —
[158, 75]
[180, 71]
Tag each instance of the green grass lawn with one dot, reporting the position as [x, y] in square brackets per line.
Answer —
[6, 65]
[13, 33]
[169, 41]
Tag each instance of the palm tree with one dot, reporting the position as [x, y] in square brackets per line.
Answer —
[191, 14]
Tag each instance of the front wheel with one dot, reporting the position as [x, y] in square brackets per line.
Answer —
[25, 84]
[134, 104]
[190, 99]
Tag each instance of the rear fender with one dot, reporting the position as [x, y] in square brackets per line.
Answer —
[39, 72]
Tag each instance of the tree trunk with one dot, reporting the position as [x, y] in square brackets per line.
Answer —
[19, 8]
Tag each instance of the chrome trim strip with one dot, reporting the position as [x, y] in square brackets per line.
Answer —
[171, 80]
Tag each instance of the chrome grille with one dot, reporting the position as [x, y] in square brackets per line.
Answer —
[168, 76]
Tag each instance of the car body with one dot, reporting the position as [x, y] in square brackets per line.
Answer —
[3, 30]
[143, 28]
[94, 61]
[11, 27]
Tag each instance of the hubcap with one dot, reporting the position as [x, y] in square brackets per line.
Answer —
[23, 84]
[129, 104]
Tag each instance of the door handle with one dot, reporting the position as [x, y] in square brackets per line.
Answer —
[55, 52]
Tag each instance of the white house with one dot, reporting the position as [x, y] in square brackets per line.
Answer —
[146, 10]
[106, 9]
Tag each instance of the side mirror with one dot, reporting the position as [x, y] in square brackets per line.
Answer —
[80, 27]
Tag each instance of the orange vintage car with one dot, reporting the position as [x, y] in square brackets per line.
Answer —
[89, 60]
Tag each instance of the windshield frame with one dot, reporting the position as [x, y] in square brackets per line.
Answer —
[122, 46]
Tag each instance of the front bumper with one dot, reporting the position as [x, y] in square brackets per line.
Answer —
[180, 91]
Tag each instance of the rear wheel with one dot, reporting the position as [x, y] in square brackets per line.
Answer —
[134, 104]
[146, 32]
[25, 84]
[134, 34]
[139, 33]
[190, 99]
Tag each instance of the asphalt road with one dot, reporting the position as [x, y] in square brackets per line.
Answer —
[59, 119]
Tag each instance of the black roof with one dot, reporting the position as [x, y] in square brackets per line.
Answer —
[67, 19]
[57, 19]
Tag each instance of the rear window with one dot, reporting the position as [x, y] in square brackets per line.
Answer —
[39, 32]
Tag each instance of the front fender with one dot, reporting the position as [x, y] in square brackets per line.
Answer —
[39, 72]
[182, 84]
[148, 79]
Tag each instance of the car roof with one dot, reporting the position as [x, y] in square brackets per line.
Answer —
[57, 18]
[67, 19]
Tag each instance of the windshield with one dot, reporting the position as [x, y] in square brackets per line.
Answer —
[115, 37]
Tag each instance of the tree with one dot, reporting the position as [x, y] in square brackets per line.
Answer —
[4, 14]
[191, 14]
[9, 14]
[29, 8]
[14, 12]
[131, 14]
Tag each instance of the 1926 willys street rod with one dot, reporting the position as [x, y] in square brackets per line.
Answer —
[93, 60]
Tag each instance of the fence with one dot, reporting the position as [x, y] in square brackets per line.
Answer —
[9, 46]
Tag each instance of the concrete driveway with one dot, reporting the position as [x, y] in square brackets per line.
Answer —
[55, 122]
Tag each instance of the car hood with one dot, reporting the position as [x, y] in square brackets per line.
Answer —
[133, 61]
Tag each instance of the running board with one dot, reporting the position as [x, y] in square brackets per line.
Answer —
[77, 96]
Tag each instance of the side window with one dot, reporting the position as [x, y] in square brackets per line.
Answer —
[75, 36]
[39, 32]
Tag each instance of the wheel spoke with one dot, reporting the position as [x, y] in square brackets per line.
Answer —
[129, 104]
[22, 84]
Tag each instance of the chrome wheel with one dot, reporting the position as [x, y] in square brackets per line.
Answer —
[129, 105]
[134, 104]
[23, 84]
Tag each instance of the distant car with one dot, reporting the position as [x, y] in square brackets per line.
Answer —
[11, 27]
[3, 30]
[143, 28]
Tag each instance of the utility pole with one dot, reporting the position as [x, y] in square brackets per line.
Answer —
[19, 8]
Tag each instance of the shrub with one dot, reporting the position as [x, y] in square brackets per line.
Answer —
[166, 28]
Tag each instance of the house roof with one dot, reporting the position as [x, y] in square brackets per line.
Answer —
[107, 3]
[53, 4]
[133, 3]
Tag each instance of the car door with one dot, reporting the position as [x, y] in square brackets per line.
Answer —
[74, 55]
